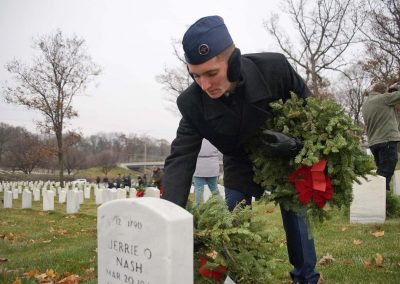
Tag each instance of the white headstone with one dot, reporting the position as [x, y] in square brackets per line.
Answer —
[26, 199]
[62, 196]
[48, 200]
[99, 195]
[72, 201]
[121, 193]
[87, 192]
[36, 194]
[369, 201]
[113, 194]
[144, 240]
[80, 195]
[396, 182]
[106, 195]
[8, 198]
[15, 192]
[152, 192]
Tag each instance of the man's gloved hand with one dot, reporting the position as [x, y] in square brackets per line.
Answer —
[279, 145]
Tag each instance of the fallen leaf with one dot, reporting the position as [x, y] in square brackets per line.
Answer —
[378, 234]
[2, 236]
[72, 279]
[62, 231]
[89, 270]
[31, 273]
[367, 262]
[270, 210]
[70, 217]
[326, 259]
[357, 242]
[344, 228]
[378, 260]
[46, 241]
[50, 273]
[3, 259]
[11, 237]
[17, 281]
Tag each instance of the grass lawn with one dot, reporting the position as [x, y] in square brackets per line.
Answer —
[35, 241]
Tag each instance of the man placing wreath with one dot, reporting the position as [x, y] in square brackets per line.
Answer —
[228, 105]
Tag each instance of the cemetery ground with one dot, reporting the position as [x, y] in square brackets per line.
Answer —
[54, 245]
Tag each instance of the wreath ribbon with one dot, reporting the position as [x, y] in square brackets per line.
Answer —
[312, 183]
[217, 274]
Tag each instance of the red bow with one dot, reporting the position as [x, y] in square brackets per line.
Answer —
[218, 273]
[311, 183]
[139, 194]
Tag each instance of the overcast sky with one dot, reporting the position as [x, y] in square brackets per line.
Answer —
[131, 41]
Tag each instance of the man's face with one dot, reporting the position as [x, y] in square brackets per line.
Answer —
[211, 76]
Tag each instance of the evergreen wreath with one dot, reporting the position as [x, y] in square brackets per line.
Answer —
[237, 243]
[328, 135]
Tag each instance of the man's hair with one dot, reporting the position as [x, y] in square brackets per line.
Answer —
[227, 52]
[379, 87]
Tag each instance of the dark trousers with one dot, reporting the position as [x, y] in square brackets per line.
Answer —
[300, 246]
[385, 155]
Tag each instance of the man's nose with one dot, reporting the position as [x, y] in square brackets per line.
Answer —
[204, 83]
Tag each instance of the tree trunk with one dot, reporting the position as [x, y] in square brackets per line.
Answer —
[60, 157]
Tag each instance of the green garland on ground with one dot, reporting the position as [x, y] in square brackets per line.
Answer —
[237, 240]
[328, 133]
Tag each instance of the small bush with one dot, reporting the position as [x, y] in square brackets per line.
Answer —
[392, 205]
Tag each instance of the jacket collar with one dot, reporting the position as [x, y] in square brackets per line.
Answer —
[254, 89]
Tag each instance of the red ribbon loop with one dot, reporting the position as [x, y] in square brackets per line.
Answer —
[311, 183]
[217, 274]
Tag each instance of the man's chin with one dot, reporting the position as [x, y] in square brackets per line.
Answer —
[215, 95]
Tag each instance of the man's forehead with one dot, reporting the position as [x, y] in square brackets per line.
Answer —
[208, 66]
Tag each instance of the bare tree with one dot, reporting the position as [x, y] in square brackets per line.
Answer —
[383, 40]
[24, 152]
[352, 89]
[175, 80]
[6, 132]
[74, 158]
[107, 160]
[326, 30]
[60, 71]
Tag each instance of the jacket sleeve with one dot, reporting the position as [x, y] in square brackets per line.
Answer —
[180, 164]
[298, 85]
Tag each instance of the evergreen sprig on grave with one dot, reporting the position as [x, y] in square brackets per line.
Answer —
[328, 134]
[234, 243]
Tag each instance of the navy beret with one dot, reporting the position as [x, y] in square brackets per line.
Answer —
[205, 39]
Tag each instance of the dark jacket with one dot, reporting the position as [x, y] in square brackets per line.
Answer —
[266, 77]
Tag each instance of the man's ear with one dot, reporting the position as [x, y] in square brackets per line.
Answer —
[234, 66]
[191, 75]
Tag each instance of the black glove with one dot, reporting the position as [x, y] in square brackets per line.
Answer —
[279, 145]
